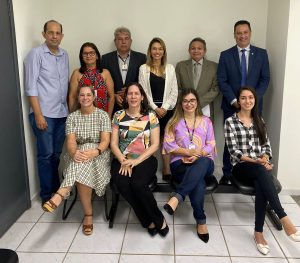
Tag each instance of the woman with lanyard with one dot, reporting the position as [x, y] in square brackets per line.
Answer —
[189, 138]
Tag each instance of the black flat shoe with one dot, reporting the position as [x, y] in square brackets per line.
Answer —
[203, 237]
[152, 231]
[163, 232]
[169, 209]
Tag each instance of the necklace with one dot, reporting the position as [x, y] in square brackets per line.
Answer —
[135, 116]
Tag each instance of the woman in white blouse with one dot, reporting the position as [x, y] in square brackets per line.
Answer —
[159, 82]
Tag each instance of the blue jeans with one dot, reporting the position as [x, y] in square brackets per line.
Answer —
[192, 183]
[49, 146]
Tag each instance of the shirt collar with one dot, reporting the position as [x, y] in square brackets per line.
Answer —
[47, 50]
[128, 55]
[246, 48]
[200, 62]
[235, 116]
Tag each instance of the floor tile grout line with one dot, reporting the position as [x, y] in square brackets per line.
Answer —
[174, 238]
[120, 254]
[73, 240]
[34, 224]
[217, 213]
[278, 243]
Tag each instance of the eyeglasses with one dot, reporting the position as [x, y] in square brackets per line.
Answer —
[89, 54]
[192, 101]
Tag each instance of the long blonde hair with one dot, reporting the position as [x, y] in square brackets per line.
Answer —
[149, 61]
[179, 114]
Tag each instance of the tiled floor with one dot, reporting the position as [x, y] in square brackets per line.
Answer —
[44, 237]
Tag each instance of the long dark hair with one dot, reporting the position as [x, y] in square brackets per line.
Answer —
[179, 114]
[144, 103]
[82, 63]
[258, 123]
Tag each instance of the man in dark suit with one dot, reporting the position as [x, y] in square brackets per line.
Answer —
[232, 74]
[123, 64]
[200, 74]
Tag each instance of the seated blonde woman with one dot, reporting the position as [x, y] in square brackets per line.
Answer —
[88, 158]
[190, 140]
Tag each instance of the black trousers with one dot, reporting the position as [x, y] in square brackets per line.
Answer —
[256, 174]
[136, 191]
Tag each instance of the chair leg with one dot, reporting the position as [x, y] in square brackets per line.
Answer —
[274, 218]
[66, 213]
[113, 209]
[106, 206]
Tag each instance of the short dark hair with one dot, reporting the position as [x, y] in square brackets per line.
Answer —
[241, 22]
[82, 63]
[198, 39]
[144, 103]
[52, 21]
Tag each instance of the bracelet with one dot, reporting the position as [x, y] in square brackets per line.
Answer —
[99, 151]
[266, 156]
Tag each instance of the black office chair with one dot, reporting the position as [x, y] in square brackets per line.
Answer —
[247, 189]
[115, 196]
[8, 256]
[66, 209]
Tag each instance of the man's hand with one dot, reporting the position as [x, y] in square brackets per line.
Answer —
[119, 96]
[236, 105]
[41, 122]
[161, 112]
[119, 99]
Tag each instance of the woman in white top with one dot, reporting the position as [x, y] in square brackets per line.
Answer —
[159, 82]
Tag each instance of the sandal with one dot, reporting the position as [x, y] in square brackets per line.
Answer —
[50, 206]
[87, 229]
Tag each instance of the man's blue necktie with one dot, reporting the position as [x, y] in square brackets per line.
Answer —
[243, 68]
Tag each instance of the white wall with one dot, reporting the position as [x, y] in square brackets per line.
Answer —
[29, 16]
[277, 27]
[289, 157]
[177, 22]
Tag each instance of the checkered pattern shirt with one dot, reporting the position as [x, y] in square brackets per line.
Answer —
[241, 141]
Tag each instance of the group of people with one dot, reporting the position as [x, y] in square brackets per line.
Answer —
[127, 103]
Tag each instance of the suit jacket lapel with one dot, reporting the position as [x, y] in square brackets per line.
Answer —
[130, 68]
[116, 66]
[236, 58]
[203, 74]
[189, 69]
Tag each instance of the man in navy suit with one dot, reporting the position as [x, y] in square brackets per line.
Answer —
[123, 64]
[229, 74]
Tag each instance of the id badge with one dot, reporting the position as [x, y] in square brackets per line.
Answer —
[124, 67]
[192, 146]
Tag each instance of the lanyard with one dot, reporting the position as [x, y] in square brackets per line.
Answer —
[190, 135]
[124, 60]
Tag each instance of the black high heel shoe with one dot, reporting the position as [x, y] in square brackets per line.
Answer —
[152, 231]
[169, 209]
[203, 237]
[163, 231]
